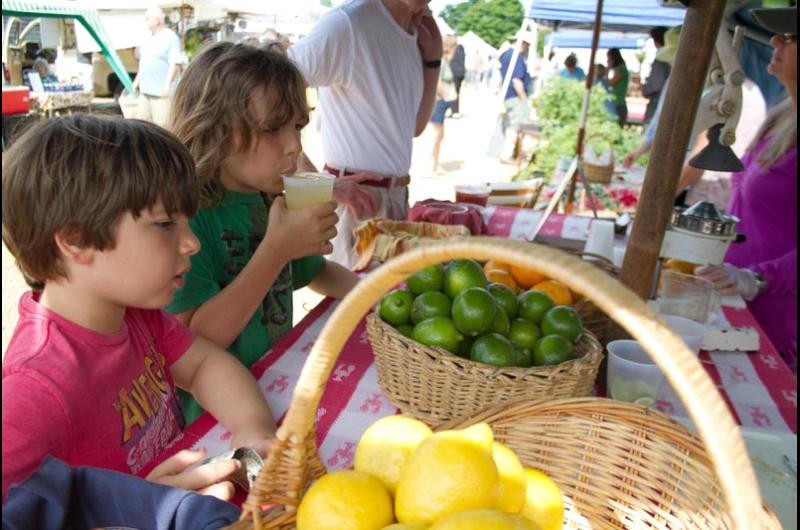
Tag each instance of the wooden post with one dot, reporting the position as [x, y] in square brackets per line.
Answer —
[698, 35]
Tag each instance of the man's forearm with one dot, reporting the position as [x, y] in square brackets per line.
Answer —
[519, 88]
[430, 78]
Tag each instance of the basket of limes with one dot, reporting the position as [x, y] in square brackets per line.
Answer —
[459, 337]
[615, 465]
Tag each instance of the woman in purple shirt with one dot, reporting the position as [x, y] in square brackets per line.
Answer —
[763, 269]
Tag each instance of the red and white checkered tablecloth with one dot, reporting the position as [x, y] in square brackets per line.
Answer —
[759, 388]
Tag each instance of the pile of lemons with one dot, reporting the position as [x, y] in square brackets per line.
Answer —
[408, 478]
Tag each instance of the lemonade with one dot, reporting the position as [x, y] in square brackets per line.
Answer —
[304, 190]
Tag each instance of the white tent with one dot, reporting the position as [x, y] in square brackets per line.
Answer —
[472, 44]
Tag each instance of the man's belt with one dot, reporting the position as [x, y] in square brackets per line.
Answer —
[385, 182]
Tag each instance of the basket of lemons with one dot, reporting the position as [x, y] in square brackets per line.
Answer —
[614, 464]
[459, 337]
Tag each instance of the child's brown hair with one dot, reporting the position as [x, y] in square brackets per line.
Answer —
[79, 174]
[211, 107]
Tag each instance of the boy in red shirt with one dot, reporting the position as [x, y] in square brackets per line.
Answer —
[95, 211]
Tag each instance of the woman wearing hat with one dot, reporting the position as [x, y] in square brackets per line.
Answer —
[763, 269]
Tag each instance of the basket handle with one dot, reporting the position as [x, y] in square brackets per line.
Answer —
[706, 407]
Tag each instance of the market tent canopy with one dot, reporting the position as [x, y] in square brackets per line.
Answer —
[583, 39]
[472, 44]
[619, 15]
[88, 18]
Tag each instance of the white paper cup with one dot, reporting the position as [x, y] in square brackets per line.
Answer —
[632, 375]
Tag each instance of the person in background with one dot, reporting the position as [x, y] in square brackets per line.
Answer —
[240, 111]
[376, 65]
[601, 78]
[659, 71]
[618, 79]
[459, 70]
[763, 268]
[515, 100]
[91, 371]
[159, 62]
[571, 69]
[446, 97]
[42, 67]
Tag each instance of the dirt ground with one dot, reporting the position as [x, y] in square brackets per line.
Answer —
[463, 157]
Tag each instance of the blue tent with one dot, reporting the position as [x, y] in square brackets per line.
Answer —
[619, 15]
[583, 39]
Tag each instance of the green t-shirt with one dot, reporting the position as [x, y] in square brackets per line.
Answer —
[229, 234]
[619, 90]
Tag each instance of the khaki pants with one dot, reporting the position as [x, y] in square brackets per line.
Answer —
[154, 109]
[517, 111]
[392, 204]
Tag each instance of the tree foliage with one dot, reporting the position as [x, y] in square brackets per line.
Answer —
[492, 20]
[453, 13]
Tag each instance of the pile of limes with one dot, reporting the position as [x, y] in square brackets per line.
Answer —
[450, 480]
[456, 307]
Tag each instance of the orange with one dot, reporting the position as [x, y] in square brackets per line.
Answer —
[559, 292]
[493, 264]
[504, 277]
[526, 277]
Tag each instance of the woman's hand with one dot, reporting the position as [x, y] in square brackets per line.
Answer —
[360, 200]
[730, 280]
[300, 233]
[207, 479]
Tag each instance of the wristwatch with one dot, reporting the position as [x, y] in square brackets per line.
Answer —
[436, 63]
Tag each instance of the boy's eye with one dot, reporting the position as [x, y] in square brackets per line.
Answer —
[166, 225]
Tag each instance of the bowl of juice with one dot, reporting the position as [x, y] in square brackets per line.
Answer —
[473, 194]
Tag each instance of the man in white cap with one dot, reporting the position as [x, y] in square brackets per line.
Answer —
[515, 101]
[159, 59]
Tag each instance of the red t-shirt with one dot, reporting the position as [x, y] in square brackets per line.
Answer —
[88, 398]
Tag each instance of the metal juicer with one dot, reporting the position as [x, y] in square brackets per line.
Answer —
[699, 234]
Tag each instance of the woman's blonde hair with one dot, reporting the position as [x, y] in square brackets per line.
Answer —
[781, 127]
[211, 111]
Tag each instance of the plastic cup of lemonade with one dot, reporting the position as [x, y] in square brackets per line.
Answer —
[304, 190]
[472, 194]
[632, 374]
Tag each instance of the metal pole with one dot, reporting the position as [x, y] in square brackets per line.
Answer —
[598, 18]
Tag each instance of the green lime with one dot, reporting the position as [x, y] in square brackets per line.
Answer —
[524, 332]
[405, 329]
[501, 322]
[395, 307]
[461, 274]
[465, 347]
[427, 279]
[430, 304]
[505, 297]
[494, 350]
[551, 350]
[532, 305]
[523, 357]
[563, 320]
[438, 331]
[474, 311]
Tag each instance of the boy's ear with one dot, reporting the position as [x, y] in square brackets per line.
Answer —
[68, 243]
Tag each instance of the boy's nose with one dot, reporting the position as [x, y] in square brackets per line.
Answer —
[189, 243]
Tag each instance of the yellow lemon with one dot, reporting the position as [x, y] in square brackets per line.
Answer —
[544, 504]
[404, 526]
[484, 520]
[510, 490]
[345, 500]
[385, 446]
[449, 472]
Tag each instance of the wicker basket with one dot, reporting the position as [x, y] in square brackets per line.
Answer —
[434, 385]
[597, 173]
[620, 465]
